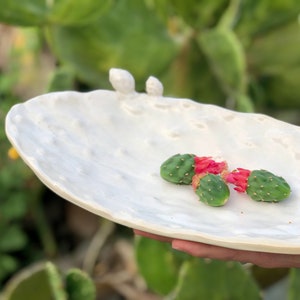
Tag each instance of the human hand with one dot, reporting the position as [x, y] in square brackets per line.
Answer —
[262, 259]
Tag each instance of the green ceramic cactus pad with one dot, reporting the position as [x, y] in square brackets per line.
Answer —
[179, 169]
[212, 190]
[267, 187]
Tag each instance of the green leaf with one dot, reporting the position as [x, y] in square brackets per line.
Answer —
[77, 13]
[196, 13]
[8, 264]
[12, 238]
[158, 264]
[244, 103]
[63, 79]
[277, 72]
[226, 57]
[30, 283]
[190, 76]
[79, 285]
[129, 36]
[256, 17]
[55, 282]
[286, 40]
[14, 206]
[294, 286]
[283, 91]
[41, 12]
[230, 14]
[215, 280]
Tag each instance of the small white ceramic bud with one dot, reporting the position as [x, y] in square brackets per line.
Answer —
[122, 81]
[154, 87]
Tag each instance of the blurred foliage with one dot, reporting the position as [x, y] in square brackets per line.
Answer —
[219, 52]
[161, 276]
[183, 277]
[40, 12]
[175, 275]
[239, 54]
[294, 288]
[91, 51]
[45, 281]
[208, 280]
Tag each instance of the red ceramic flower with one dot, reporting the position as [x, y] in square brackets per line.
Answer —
[239, 178]
[204, 165]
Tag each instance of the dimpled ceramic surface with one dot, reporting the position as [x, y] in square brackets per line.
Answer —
[103, 150]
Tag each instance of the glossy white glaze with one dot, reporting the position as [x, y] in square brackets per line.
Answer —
[103, 150]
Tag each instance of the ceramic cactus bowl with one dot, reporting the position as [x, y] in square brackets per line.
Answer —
[102, 150]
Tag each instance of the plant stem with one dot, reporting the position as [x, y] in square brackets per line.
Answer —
[104, 231]
[44, 230]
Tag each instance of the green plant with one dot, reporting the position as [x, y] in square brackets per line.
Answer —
[175, 275]
[179, 276]
[45, 281]
[13, 207]
[219, 52]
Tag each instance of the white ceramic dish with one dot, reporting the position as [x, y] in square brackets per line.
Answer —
[103, 150]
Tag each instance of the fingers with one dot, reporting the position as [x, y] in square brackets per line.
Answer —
[265, 260]
[262, 259]
[152, 236]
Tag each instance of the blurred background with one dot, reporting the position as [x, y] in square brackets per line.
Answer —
[239, 54]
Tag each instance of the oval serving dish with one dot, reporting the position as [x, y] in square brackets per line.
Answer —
[102, 150]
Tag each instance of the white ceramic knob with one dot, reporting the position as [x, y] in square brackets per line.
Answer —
[154, 87]
[122, 81]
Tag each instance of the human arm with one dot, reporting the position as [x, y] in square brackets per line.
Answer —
[262, 259]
